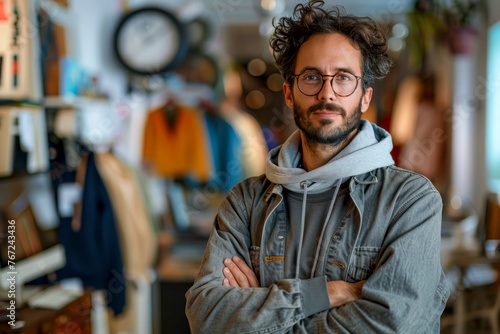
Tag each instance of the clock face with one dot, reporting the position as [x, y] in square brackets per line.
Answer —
[150, 41]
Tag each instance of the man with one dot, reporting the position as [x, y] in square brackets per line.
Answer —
[334, 237]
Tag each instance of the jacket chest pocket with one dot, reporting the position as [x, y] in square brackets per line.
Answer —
[271, 271]
[363, 263]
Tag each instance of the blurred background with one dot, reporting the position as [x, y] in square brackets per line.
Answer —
[124, 123]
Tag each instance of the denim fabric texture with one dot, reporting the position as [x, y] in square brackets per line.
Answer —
[390, 236]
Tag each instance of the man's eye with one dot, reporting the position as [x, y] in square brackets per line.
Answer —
[343, 77]
[311, 77]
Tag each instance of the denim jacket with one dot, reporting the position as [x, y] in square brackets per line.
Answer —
[390, 236]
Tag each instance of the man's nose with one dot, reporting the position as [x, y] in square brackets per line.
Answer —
[326, 93]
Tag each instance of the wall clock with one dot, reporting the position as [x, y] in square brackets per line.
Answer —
[150, 40]
[198, 31]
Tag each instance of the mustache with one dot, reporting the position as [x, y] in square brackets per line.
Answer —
[326, 106]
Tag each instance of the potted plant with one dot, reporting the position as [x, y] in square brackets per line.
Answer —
[461, 34]
[426, 26]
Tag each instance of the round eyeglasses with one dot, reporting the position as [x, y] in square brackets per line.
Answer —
[311, 83]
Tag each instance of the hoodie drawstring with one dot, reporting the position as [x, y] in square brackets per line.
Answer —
[304, 185]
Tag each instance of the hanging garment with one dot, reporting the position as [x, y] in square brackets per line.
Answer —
[177, 150]
[225, 147]
[424, 152]
[135, 230]
[143, 183]
[405, 111]
[138, 240]
[93, 251]
[254, 150]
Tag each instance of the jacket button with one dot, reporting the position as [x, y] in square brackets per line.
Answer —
[335, 237]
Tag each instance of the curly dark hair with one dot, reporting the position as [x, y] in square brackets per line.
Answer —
[311, 19]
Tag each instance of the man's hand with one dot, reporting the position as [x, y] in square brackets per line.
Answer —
[238, 275]
[341, 292]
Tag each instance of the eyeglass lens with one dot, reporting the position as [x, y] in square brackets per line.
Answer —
[343, 84]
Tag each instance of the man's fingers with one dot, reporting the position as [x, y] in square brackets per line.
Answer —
[225, 282]
[229, 279]
[250, 275]
[238, 275]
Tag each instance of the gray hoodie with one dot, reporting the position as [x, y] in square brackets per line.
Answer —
[370, 149]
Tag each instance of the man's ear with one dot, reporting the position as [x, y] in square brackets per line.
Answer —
[367, 97]
[287, 90]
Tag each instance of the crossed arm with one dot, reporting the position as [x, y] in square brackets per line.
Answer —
[238, 275]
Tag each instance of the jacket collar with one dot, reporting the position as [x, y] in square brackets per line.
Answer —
[272, 189]
[366, 178]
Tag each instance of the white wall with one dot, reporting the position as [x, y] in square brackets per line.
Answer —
[94, 23]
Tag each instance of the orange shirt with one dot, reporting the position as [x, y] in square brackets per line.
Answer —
[179, 150]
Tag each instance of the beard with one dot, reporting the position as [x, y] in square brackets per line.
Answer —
[319, 135]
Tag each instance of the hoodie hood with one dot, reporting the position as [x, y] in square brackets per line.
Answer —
[370, 149]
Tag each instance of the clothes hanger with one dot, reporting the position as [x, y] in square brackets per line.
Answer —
[170, 112]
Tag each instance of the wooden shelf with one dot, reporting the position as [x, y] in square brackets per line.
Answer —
[70, 102]
[76, 315]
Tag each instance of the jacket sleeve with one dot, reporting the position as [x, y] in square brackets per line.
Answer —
[407, 291]
[212, 308]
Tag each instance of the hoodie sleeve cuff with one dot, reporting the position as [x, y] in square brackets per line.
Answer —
[315, 295]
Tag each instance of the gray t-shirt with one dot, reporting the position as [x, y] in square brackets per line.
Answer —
[316, 212]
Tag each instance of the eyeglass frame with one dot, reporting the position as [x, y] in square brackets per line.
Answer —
[331, 82]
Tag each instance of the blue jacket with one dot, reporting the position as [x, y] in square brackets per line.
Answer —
[93, 253]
